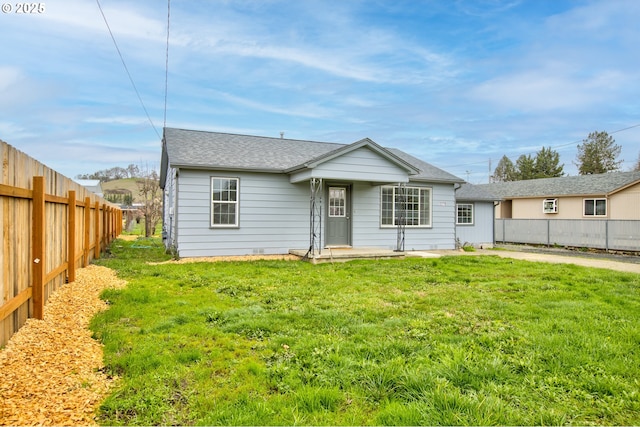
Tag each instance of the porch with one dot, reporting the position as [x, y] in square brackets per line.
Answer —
[346, 254]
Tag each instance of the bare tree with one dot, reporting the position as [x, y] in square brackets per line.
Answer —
[150, 193]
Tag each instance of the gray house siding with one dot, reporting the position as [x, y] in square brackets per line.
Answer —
[273, 215]
[359, 165]
[480, 233]
[169, 213]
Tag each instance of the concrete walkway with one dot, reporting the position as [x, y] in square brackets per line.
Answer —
[565, 258]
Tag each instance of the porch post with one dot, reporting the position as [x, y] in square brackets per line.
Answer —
[401, 215]
[315, 218]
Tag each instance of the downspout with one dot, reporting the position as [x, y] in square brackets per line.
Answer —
[456, 186]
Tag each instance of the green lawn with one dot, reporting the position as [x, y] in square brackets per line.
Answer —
[455, 340]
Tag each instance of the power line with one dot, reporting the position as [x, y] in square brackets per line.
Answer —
[553, 148]
[127, 69]
[166, 66]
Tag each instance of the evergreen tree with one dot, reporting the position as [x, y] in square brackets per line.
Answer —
[526, 167]
[505, 171]
[598, 153]
[546, 164]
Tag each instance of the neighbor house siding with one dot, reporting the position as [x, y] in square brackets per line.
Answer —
[273, 215]
[480, 233]
[625, 204]
[569, 207]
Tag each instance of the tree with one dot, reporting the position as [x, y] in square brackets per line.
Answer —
[133, 170]
[505, 171]
[149, 190]
[546, 164]
[598, 153]
[637, 168]
[526, 167]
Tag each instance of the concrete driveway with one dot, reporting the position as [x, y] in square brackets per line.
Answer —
[628, 264]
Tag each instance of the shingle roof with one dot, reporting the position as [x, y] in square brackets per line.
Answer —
[581, 185]
[470, 192]
[215, 150]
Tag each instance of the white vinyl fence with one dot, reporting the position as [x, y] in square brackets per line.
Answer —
[620, 235]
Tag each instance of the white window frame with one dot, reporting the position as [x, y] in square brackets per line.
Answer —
[471, 210]
[340, 210]
[235, 203]
[550, 206]
[425, 196]
[595, 201]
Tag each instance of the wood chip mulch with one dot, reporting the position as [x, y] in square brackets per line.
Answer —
[50, 369]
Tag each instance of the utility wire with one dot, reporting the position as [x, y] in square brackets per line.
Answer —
[127, 69]
[553, 148]
[166, 66]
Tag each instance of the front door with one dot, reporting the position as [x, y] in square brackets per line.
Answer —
[338, 229]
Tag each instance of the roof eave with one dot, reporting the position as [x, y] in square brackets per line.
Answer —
[224, 168]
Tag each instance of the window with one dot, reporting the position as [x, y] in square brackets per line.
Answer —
[464, 213]
[595, 207]
[413, 204]
[337, 202]
[224, 202]
[550, 206]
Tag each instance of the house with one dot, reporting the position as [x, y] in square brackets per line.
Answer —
[92, 185]
[613, 195]
[228, 194]
[475, 216]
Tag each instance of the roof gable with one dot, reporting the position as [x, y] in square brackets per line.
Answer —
[346, 149]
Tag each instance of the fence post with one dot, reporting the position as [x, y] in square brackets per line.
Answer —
[71, 243]
[606, 234]
[96, 232]
[105, 222]
[548, 233]
[87, 229]
[38, 246]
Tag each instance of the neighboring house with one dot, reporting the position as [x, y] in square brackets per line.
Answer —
[613, 195]
[475, 216]
[92, 185]
[227, 194]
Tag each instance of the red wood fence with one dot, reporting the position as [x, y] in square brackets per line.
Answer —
[50, 227]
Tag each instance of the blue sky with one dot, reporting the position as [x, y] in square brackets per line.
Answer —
[456, 83]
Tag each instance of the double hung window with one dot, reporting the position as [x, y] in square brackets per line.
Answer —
[224, 202]
[464, 214]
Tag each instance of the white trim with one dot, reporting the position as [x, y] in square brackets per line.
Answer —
[235, 202]
[595, 207]
[473, 219]
[429, 218]
[550, 206]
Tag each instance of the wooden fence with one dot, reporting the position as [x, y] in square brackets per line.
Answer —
[50, 227]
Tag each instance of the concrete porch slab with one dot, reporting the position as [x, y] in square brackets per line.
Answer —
[348, 254]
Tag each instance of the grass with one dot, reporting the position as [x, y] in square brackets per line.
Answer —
[449, 341]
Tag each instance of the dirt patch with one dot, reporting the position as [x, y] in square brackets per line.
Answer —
[129, 237]
[50, 369]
